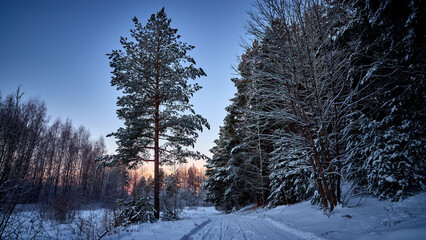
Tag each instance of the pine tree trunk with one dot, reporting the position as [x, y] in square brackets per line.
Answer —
[156, 167]
[157, 139]
[156, 161]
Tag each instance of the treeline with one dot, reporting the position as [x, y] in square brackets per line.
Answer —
[43, 162]
[179, 188]
[331, 94]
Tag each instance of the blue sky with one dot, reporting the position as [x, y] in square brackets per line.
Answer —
[56, 51]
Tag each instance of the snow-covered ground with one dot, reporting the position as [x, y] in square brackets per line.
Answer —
[373, 219]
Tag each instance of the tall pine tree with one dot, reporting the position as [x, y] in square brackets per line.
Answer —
[153, 73]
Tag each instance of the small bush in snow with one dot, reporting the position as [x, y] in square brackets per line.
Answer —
[134, 210]
[169, 215]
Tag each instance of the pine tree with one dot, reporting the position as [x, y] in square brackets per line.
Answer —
[153, 73]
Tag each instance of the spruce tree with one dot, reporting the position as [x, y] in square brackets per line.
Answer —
[153, 72]
[223, 184]
[387, 43]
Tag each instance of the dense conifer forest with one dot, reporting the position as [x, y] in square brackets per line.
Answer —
[330, 96]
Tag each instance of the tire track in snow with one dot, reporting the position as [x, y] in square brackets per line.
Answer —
[206, 234]
[242, 230]
[263, 230]
[298, 233]
[237, 227]
[221, 231]
[196, 229]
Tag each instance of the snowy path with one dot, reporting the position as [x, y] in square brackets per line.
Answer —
[238, 226]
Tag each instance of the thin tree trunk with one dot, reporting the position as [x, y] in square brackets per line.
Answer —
[339, 166]
[261, 168]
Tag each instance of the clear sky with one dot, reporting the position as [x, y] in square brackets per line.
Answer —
[56, 51]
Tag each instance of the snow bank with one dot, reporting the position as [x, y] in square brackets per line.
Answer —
[374, 219]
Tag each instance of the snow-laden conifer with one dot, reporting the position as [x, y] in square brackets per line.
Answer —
[152, 71]
[387, 143]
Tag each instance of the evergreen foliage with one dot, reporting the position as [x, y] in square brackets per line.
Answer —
[155, 69]
[219, 172]
[153, 72]
[330, 92]
[388, 58]
[135, 210]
